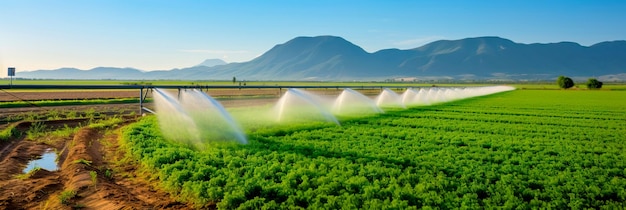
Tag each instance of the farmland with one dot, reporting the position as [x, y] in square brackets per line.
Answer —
[526, 148]
[520, 85]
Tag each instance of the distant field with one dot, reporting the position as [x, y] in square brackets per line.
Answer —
[541, 85]
[180, 82]
[551, 86]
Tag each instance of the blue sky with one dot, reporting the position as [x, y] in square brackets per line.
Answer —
[161, 35]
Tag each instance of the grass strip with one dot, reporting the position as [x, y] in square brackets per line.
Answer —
[19, 104]
[7, 133]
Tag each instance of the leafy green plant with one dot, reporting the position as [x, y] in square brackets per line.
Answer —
[91, 113]
[83, 161]
[29, 116]
[94, 178]
[108, 174]
[66, 196]
[36, 129]
[66, 131]
[7, 133]
[71, 115]
[28, 174]
[106, 123]
[522, 149]
[53, 115]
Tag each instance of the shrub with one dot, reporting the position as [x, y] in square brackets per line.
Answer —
[565, 82]
[593, 83]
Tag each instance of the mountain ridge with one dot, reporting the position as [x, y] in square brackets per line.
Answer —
[333, 58]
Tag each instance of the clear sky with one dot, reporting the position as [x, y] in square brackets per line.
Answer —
[166, 34]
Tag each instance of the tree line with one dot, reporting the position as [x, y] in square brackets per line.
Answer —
[566, 82]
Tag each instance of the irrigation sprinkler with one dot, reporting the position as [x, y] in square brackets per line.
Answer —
[147, 110]
[143, 95]
[142, 99]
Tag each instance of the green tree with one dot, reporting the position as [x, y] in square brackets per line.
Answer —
[565, 82]
[593, 83]
[234, 80]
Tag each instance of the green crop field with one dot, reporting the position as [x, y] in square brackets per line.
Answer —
[521, 149]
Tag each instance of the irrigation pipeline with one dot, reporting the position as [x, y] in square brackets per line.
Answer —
[202, 87]
[142, 95]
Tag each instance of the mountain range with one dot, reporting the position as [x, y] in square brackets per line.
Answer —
[331, 58]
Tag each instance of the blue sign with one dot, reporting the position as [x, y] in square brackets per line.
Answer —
[11, 71]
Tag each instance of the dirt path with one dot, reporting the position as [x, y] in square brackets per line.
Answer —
[88, 151]
[66, 95]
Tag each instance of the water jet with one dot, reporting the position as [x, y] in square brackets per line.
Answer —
[353, 102]
[196, 119]
[299, 105]
[388, 98]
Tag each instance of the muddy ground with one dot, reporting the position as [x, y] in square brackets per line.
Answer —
[117, 184]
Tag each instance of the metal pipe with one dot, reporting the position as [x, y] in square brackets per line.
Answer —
[141, 101]
[187, 86]
[143, 96]
[148, 110]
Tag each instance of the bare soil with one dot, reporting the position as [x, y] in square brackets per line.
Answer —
[66, 95]
[227, 97]
[112, 94]
[122, 187]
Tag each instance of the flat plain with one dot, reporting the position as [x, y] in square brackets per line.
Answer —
[518, 149]
[534, 147]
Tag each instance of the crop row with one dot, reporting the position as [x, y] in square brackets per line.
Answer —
[466, 154]
[16, 104]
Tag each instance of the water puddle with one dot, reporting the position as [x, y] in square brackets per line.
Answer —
[47, 161]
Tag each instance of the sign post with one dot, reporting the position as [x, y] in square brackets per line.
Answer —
[11, 74]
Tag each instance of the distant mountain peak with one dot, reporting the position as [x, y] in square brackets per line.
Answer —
[305, 45]
[325, 40]
[212, 62]
[321, 37]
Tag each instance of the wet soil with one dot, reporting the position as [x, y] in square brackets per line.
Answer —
[116, 185]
